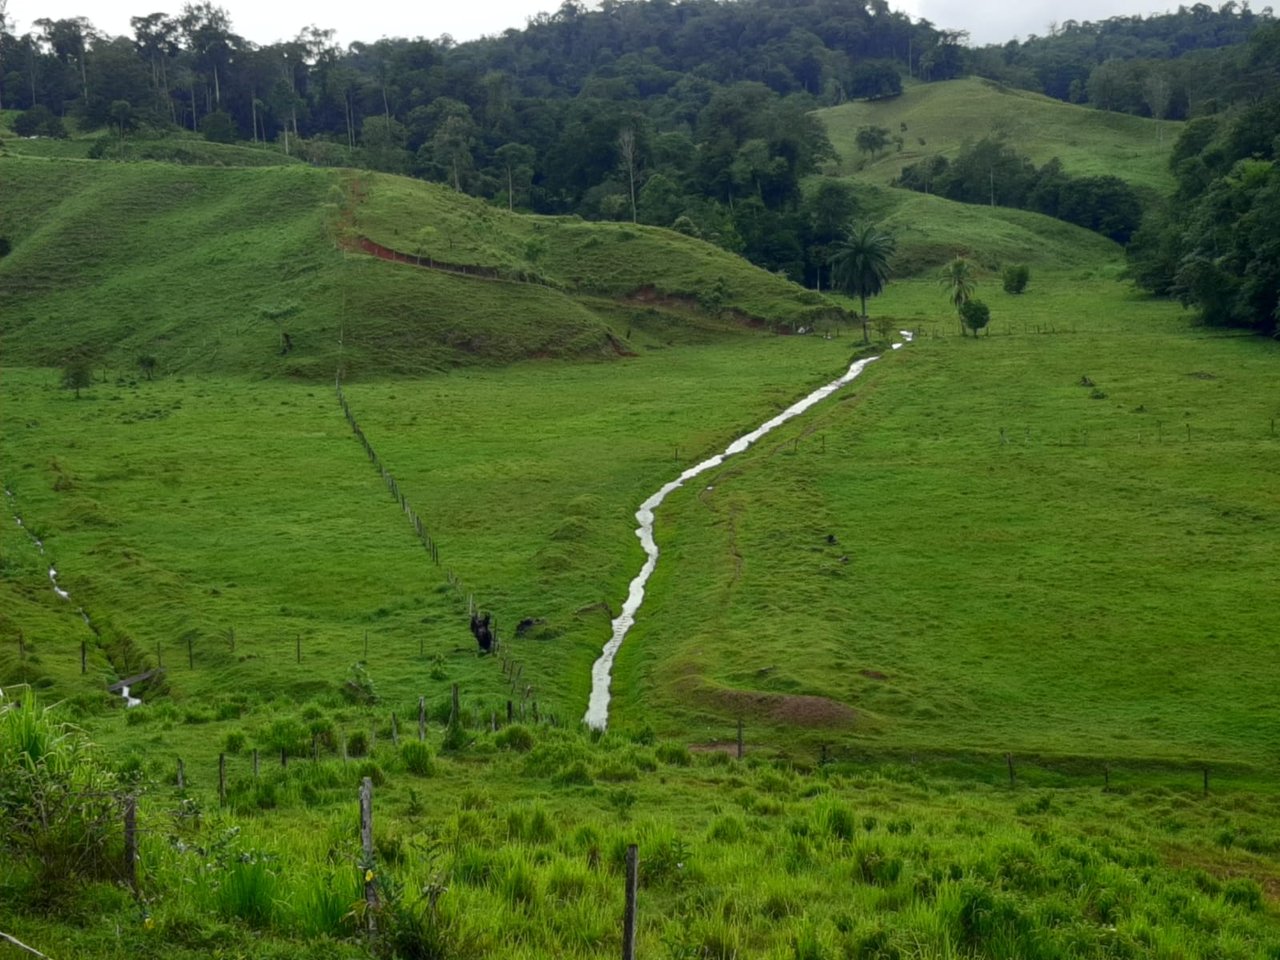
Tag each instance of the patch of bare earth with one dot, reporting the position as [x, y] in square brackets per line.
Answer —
[797, 710]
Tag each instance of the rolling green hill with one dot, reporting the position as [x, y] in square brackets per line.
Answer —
[930, 230]
[207, 268]
[939, 117]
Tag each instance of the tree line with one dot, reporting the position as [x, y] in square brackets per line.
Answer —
[992, 171]
[1175, 65]
[693, 115]
[1214, 244]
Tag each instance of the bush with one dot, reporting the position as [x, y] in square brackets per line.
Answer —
[1016, 278]
[418, 758]
[218, 127]
[357, 744]
[39, 121]
[675, 754]
[516, 737]
[975, 314]
[57, 811]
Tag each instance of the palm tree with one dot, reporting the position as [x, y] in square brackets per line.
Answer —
[958, 280]
[860, 263]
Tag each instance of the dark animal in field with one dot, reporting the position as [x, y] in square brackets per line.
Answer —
[527, 624]
[481, 631]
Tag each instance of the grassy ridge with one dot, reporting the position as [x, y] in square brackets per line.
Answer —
[430, 220]
[929, 231]
[944, 115]
[207, 268]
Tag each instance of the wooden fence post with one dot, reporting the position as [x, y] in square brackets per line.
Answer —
[740, 743]
[366, 845]
[510, 711]
[182, 775]
[1009, 760]
[629, 917]
[456, 716]
[83, 656]
[222, 779]
[395, 731]
[131, 841]
[284, 757]
[1106, 776]
[1206, 781]
[255, 763]
[422, 718]
[315, 748]
[299, 647]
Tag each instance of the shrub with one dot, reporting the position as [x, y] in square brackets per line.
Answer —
[39, 121]
[975, 314]
[675, 754]
[515, 737]
[57, 811]
[357, 744]
[373, 772]
[572, 774]
[234, 743]
[418, 758]
[218, 127]
[1015, 278]
[248, 893]
[1243, 892]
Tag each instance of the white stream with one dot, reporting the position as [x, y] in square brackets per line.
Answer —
[53, 580]
[597, 715]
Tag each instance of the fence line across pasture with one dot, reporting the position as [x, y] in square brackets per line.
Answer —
[420, 529]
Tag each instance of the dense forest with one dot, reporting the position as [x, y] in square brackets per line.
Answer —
[695, 115]
[1214, 244]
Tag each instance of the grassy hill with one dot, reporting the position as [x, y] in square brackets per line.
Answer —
[206, 269]
[937, 118]
[930, 230]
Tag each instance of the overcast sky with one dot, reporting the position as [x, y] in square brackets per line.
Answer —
[266, 21]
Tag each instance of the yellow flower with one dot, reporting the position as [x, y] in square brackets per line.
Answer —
[368, 876]
[148, 923]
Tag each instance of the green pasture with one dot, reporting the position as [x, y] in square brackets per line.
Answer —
[938, 118]
[1023, 563]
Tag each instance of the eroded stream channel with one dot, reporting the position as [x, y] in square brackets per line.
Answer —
[597, 715]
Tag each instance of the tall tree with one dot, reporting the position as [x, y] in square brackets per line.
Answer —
[860, 264]
[958, 279]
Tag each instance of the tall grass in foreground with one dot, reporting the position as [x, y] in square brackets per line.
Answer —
[511, 859]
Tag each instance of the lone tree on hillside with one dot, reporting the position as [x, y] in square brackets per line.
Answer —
[1016, 278]
[958, 280]
[860, 264]
[147, 363]
[76, 375]
[975, 315]
[872, 140]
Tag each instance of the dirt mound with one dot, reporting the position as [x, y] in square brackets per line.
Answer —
[798, 710]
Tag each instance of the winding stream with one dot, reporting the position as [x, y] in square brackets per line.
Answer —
[53, 580]
[597, 715]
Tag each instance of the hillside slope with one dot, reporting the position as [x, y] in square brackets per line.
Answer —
[937, 118]
[208, 268]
